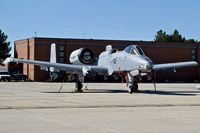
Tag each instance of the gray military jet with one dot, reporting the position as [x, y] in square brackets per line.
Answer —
[131, 62]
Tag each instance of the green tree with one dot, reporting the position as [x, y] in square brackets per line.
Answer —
[4, 47]
[177, 37]
[162, 36]
[191, 41]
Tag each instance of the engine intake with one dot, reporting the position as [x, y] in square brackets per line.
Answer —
[81, 56]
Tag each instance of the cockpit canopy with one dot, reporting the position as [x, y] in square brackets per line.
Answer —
[134, 50]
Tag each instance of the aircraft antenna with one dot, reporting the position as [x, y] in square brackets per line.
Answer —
[83, 35]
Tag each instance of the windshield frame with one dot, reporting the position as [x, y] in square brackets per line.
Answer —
[134, 50]
[139, 50]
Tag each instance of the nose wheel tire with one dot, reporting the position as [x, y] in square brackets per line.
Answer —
[133, 87]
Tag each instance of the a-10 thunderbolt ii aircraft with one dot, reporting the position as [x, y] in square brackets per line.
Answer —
[131, 62]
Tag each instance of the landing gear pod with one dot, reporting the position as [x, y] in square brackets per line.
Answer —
[81, 56]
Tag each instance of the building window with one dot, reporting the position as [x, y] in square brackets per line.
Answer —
[62, 60]
[193, 51]
[193, 54]
[61, 54]
[62, 48]
[193, 57]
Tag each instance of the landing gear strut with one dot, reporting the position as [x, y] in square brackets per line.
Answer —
[79, 86]
[133, 87]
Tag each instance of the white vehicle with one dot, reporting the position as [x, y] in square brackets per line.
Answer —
[131, 62]
[4, 76]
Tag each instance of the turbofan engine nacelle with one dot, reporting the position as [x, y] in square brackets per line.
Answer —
[81, 56]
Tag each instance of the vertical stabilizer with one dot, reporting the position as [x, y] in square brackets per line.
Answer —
[53, 55]
[13, 52]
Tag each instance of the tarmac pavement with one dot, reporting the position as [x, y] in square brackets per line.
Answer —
[38, 107]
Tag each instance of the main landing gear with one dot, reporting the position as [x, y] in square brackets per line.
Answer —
[79, 86]
[79, 83]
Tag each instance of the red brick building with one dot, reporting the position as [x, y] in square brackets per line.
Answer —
[39, 49]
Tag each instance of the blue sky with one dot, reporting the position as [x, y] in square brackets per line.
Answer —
[99, 19]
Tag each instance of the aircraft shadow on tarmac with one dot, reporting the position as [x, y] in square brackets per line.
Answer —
[176, 93]
[93, 91]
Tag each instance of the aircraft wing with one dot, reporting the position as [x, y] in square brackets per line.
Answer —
[174, 65]
[69, 68]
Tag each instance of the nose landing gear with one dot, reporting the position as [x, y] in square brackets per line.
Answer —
[133, 87]
[133, 80]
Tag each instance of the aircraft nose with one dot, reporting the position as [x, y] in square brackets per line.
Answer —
[149, 66]
[146, 66]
